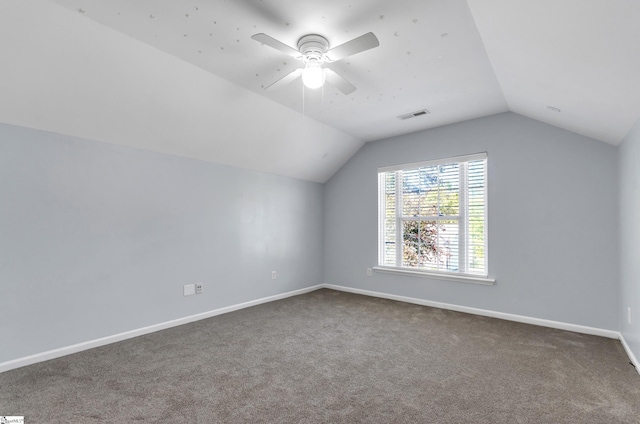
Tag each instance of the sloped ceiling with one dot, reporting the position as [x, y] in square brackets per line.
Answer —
[579, 56]
[185, 77]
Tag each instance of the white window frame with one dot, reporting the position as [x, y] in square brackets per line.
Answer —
[461, 217]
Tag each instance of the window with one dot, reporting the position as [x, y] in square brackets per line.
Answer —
[432, 216]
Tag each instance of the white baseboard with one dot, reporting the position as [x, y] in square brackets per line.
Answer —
[484, 312]
[630, 354]
[56, 353]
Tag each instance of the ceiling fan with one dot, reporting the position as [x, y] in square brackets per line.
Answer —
[313, 50]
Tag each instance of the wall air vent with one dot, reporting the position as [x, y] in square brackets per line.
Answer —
[414, 114]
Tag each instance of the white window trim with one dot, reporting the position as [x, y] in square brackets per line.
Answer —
[464, 278]
[416, 272]
[435, 162]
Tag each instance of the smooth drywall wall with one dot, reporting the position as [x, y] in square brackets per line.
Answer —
[629, 163]
[97, 239]
[552, 226]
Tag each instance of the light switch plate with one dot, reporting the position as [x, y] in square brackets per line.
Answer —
[189, 289]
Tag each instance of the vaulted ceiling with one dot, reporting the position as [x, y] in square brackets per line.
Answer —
[185, 77]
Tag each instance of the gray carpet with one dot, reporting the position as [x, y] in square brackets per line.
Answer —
[332, 357]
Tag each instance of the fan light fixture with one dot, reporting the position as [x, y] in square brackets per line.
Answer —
[313, 75]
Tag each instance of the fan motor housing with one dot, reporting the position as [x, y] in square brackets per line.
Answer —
[313, 47]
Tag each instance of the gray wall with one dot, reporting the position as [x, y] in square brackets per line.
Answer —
[552, 220]
[97, 239]
[629, 159]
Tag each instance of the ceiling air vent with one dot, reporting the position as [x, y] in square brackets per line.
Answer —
[414, 114]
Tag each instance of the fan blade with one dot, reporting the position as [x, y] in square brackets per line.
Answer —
[291, 76]
[357, 45]
[338, 82]
[272, 42]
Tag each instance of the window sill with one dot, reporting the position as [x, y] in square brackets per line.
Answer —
[463, 278]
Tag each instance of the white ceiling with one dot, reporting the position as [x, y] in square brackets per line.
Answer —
[185, 78]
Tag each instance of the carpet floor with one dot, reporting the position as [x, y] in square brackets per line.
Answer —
[334, 357]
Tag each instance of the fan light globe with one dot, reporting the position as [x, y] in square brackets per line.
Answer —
[313, 76]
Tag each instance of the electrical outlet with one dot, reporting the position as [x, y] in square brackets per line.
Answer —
[368, 272]
[198, 288]
[189, 289]
[629, 315]
[273, 275]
